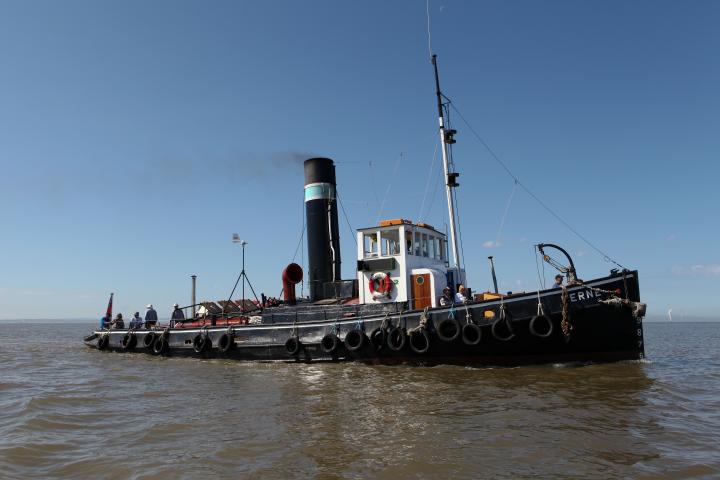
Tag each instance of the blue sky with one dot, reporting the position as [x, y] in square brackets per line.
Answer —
[136, 137]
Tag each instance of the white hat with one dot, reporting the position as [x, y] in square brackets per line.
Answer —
[176, 305]
[149, 306]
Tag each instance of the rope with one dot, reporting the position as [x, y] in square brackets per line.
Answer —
[468, 315]
[422, 325]
[386, 322]
[565, 324]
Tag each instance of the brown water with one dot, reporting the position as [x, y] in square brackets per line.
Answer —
[70, 412]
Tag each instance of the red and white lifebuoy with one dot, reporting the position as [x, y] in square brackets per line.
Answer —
[380, 285]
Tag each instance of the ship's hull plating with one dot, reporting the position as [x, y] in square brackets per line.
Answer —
[598, 333]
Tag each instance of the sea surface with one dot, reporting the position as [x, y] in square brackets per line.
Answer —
[69, 412]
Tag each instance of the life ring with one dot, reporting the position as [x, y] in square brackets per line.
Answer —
[380, 285]
[534, 330]
[330, 343]
[448, 330]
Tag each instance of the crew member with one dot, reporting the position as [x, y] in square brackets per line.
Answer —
[177, 315]
[136, 321]
[558, 281]
[460, 296]
[447, 297]
[150, 317]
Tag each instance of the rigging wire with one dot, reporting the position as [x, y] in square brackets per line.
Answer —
[372, 182]
[387, 190]
[507, 208]
[427, 183]
[427, 12]
[347, 220]
[529, 192]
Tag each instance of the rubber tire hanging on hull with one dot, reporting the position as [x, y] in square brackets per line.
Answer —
[508, 325]
[149, 339]
[330, 343]
[160, 346]
[420, 341]
[396, 339]
[103, 342]
[471, 334]
[129, 341]
[355, 340]
[201, 343]
[448, 330]
[533, 329]
[377, 338]
[226, 342]
[292, 346]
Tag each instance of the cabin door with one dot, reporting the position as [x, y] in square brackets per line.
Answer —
[421, 291]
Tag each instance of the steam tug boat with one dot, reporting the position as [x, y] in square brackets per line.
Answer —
[393, 311]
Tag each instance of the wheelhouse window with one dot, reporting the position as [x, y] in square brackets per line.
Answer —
[417, 244]
[438, 248]
[431, 246]
[370, 245]
[424, 245]
[390, 242]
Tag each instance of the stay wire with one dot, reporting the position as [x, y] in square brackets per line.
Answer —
[427, 183]
[387, 190]
[347, 220]
[427, 12]
[529, 192]
[507, 208]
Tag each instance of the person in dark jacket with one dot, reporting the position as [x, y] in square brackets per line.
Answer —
[447, 297]
[150, 317]
[177, 315]
[118, 323]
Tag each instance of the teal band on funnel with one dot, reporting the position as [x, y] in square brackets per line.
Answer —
[319, 191]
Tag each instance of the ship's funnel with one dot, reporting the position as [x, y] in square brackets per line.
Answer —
[322, 226]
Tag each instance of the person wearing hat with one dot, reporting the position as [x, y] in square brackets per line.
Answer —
[136, 321]
[150, 317]
[558, 281]
[177, 315]
[447, 297]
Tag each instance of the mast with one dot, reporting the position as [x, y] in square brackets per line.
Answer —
[446, 138]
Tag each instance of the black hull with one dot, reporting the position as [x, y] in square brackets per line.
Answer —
[599, 333]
